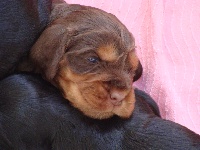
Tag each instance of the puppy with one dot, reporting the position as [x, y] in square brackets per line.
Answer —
[90, 56]
[34, 116]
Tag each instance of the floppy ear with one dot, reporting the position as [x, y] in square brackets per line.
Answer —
[49, 49]
[138, 72]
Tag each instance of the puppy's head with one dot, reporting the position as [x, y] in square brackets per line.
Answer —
[89, 54]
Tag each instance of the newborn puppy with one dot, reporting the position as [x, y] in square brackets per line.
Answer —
[34, 116]
[90, 56]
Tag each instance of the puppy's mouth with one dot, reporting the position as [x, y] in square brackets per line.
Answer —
[109, 108]
[95, 101]
[112, 106]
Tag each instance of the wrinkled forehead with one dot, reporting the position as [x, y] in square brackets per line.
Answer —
[107, 45]
[96, 30]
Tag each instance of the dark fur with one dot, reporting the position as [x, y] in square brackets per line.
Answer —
[34, 116]
[21, 22]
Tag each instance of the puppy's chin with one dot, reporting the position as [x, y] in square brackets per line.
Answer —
[93, 99]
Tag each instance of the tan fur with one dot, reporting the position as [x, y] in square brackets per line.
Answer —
[92, 98]
[62, 55]
[107, 53]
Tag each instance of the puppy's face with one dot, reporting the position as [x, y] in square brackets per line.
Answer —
[89, 55]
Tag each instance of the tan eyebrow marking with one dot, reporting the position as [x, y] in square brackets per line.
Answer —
[107, 53]
[133, 59]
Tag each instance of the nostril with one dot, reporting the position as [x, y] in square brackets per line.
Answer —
[113, 98]
[116, 96]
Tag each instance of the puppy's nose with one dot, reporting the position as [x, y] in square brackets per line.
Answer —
[116, 97]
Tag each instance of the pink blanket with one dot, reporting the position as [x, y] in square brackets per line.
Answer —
[167, 37]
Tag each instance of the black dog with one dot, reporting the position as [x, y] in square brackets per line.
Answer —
[21, 23]
[34, 115]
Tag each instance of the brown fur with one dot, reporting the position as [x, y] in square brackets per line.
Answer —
[89, 55]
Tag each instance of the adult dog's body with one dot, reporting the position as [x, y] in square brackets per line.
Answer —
[34, 116]
[90, 56]
[21, 23]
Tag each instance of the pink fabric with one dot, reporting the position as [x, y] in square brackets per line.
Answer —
[167, 37]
